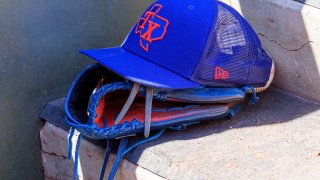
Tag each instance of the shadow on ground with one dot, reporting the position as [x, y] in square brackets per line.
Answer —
[274, 107]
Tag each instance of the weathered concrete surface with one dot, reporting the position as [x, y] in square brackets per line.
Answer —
[278, 138]
[289, 32]
[54, 145]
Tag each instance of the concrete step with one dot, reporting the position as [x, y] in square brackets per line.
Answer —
[54, 144]
[289, 32]
[278, 138]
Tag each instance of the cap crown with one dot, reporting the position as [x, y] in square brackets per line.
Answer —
[173, 34]
[205, 41]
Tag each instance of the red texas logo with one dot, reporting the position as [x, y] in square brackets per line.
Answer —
[151, 27]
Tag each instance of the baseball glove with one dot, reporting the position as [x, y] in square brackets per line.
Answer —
[104, 105]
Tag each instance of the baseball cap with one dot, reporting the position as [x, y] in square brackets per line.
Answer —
[186, 43]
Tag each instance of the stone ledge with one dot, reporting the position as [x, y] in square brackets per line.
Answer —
[54, 146]
[278, 138]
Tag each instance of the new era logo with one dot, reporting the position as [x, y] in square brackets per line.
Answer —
[220, 73]
[151, 27]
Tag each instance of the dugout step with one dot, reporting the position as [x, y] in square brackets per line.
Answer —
[276, 138]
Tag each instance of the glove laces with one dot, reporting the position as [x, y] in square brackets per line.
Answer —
[148, 107]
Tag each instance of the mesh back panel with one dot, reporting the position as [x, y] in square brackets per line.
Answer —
[234, 47]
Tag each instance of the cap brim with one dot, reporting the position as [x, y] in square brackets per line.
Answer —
[137, 69]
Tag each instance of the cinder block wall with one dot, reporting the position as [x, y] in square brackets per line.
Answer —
[39, 44]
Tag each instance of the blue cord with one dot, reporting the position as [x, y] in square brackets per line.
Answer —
[117, 161]
[106, 158]
[76, 159]
[235, 110]
[143, 141]
[182, 126]
[120, 154]
[70, 143]
[254, 99]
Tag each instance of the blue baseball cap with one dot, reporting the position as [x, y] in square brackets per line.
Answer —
[186, 43]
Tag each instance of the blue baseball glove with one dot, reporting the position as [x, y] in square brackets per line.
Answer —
[103, 105]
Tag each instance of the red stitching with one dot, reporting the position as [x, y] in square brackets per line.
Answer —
[147, 35]
[147, 17]
[154, 6]
[144, 48]
[165, 28]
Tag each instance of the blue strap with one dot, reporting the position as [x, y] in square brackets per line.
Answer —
[116, 163]
[182, 126]
[121, 152]
[106, 158]
[76, 158]
[70, 142]
[254, 99]
[143, 141]
[235, 110]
